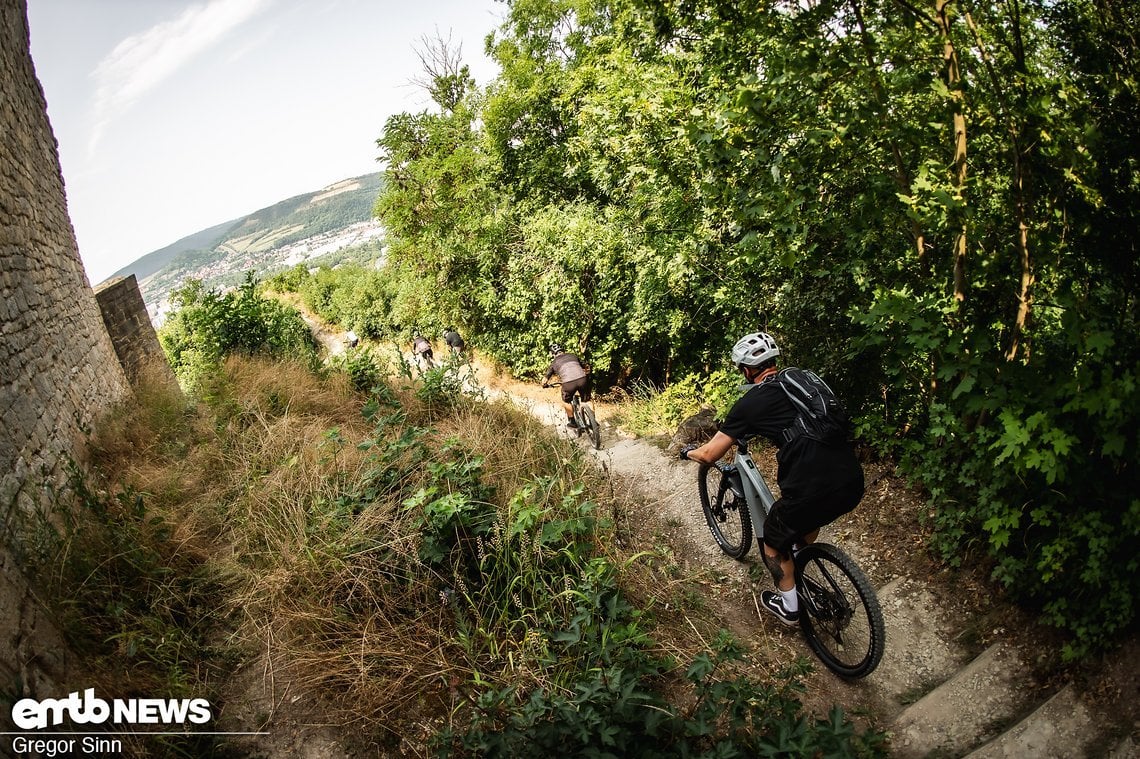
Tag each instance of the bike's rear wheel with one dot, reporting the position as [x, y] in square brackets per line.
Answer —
[592, 427]
[726, 512]
[839, 612]
[579, 420]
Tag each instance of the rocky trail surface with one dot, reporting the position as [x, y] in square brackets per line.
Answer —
[957, 679]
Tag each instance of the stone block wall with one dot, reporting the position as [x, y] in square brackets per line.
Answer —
[132, 334]
[58, 368]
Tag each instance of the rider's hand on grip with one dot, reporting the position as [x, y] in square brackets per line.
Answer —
[684, 452]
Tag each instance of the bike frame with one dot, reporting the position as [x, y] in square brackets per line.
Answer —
[757, 494]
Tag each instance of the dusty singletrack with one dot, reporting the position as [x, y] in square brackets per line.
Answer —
[963, 672]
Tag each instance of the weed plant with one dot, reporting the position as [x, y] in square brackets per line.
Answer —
[656, 412]
[414, 561]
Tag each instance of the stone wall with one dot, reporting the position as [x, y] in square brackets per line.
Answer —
[132, 334]
[58, 369]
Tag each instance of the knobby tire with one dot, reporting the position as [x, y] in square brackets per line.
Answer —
[579, 420]
[839, 611]
[726, 513]
[592, 426]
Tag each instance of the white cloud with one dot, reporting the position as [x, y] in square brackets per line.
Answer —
[143, 61]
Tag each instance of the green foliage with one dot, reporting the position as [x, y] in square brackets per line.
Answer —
[644, 182]
[356, 297]
[290, 280]
[659, 412]
[608, 711]
[365, 368]
[207, 326]
[454, 510]
[522, 575]
[130, 594]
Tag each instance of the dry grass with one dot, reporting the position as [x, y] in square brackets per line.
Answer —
[272, 485]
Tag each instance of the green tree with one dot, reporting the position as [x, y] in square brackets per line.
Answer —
[933, 204]
[206, 326]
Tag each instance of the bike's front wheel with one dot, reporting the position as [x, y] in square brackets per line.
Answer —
[726, 511]
[839, 612]
[592, 427]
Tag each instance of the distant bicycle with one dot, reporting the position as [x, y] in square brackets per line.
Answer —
[584, 418]
[840, 614]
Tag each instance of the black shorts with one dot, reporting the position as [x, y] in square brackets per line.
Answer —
[790, 519]
[580, 385]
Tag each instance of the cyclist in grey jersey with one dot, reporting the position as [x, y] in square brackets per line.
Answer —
[573, 377]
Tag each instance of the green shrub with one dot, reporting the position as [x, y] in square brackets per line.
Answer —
[207, 326]
[1030, 462]
[365, 368]
[611, 710]
[654, 411]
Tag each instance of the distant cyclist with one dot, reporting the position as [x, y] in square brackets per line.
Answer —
[573, 376]
[422, 349]
[454, 341]
[819, 480]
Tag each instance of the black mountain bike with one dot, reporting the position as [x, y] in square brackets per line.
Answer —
[839, 612]
[584, 418]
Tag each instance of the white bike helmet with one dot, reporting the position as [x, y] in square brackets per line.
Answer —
[754, 350]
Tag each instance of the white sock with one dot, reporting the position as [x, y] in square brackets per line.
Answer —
[791, 600]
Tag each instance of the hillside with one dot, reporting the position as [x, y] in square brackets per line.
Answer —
[301, 228]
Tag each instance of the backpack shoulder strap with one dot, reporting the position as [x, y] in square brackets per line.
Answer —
[791, 379]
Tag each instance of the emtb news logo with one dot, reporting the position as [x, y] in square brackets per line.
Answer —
[30, 714]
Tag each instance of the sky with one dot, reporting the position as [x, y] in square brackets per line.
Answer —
[176, 115]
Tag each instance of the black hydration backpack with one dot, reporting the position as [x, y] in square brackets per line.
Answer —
[821, 417]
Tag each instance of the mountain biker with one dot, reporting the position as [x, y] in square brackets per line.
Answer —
[422, 348]
[453, 340]
[573, 377]
[818, 481]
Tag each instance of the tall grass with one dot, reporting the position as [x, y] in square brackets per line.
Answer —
[417, 560]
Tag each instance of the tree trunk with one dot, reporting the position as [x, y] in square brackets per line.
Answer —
[953, 75]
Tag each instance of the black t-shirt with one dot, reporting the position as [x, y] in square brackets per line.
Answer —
[453, 339]
[807, 468]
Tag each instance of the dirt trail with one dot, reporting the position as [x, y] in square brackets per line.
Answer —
[958, 674]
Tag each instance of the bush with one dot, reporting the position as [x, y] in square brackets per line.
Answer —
[1031, 462]
[609, 710]
[207, 326]
[658, 412]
